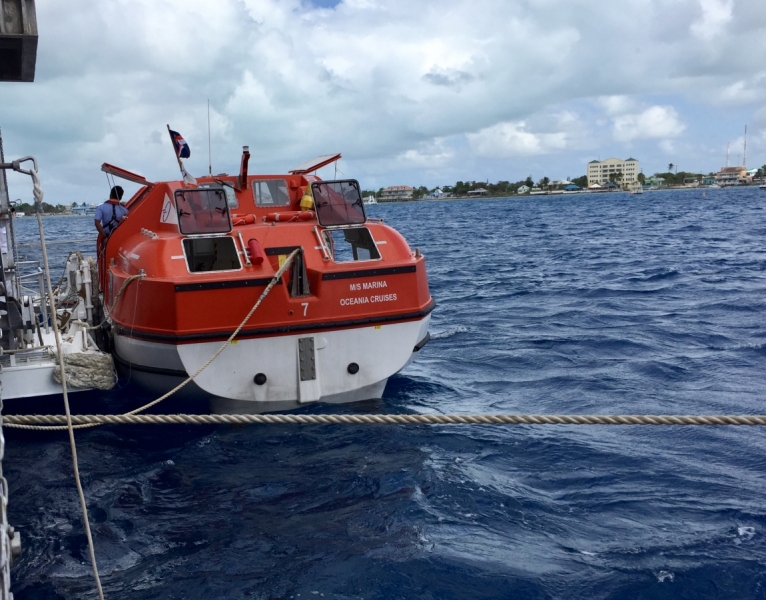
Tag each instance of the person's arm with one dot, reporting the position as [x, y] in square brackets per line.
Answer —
[100, 228]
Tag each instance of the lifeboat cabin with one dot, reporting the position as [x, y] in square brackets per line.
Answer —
[182, 271]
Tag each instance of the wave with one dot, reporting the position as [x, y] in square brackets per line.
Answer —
[449, 332]
[688, 228]
[557, 326]
[738, 347]
[665, 274]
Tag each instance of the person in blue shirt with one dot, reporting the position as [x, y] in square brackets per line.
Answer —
[110, 213]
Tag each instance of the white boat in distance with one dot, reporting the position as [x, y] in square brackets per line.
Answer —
[370, 200]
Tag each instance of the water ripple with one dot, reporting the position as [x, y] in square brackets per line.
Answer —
[579, 304]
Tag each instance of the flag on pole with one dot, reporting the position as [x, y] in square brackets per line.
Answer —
[182, 151]
[180, 145]
[188, 178]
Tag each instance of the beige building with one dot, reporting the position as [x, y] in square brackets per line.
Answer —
[396, 192]
[599, 171]
[731, 176]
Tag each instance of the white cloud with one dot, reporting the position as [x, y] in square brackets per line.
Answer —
[667, 146]
[716, 14]
[617, 105]
[745, 91]
[433, 154]
[512, 139]
[654, 122]
[389, 83]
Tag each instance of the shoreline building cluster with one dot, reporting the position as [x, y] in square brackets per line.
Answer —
[732, 176]
[605, 171]
[395, 193]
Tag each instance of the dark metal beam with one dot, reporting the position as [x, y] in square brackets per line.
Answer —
[18, 40]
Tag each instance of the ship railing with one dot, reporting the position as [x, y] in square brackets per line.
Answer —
[30, 283]
[30, 271]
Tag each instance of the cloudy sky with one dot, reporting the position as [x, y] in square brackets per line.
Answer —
[415, 93]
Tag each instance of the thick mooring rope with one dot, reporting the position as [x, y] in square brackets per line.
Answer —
[40, 421]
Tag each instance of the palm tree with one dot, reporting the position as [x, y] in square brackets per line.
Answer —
[670, 167]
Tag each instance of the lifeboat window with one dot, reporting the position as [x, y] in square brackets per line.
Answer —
[271, 192]
[211, 254]
[202, 210]
[231, 195]
[348, 245]
[338, 202]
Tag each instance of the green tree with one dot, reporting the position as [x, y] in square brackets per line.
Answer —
[581, 181]
[462, 187]
[670, 167]
[641, 178]
[528, 181]
[420, 192]
[499, 188]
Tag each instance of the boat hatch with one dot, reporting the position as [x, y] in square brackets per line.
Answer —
[348, 245]
[271, 192]
[211, 254]
[202, 210]
[338, 202]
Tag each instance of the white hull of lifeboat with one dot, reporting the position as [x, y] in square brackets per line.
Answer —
[379, 351]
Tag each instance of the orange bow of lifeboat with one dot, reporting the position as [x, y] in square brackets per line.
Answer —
[352, 310]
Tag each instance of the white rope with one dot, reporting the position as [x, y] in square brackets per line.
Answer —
[94, 370]
[35, 421]
[124, 285]
[228, 342]
[272, 283]
[38, 193]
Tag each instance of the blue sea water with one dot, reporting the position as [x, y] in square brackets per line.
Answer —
[606, 303]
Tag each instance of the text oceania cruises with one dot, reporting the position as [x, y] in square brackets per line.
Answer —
[368, 299]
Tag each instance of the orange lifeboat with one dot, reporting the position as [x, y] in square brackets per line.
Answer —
[352, 310]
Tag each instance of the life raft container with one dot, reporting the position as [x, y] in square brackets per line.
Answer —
[247, 219]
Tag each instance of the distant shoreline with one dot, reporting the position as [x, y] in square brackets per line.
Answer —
[512, 196]
[52, 215]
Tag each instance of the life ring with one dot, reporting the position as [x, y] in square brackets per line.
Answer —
[291, 215]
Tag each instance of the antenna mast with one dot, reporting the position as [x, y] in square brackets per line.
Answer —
[209, 147]
[744, 151]
[727, 154]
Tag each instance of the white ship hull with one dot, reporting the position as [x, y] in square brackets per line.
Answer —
[28, 372]
[295, 373]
